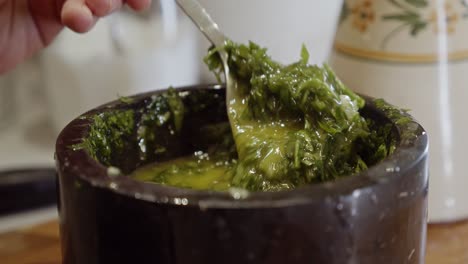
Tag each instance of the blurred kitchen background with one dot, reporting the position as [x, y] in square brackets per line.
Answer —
[128, 53]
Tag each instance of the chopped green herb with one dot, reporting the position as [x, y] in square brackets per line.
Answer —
[125, 100]
[109, 134]
[399, 116]
[165, 110]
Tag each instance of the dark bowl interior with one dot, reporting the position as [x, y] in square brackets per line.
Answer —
[377, 215]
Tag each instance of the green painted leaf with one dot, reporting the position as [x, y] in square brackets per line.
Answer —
[409, 17]
[417, 3]
[417, 27]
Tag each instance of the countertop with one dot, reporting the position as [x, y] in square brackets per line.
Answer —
[446, 244]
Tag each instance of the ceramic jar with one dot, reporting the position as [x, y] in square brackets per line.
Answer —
[414, 53]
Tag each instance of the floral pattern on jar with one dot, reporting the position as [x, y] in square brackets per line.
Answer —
[402, 30]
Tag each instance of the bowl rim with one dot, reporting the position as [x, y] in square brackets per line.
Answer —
[408, 153]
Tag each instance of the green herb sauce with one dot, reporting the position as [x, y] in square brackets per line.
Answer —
[290, 125]
[199, 171]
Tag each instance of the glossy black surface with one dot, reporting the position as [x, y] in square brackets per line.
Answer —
[27, 189]
[377, 216]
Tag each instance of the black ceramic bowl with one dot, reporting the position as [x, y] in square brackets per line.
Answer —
[377, 216]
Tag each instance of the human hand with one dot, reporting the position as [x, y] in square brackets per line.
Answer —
[27, 26]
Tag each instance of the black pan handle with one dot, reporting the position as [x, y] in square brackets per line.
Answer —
[26, 189]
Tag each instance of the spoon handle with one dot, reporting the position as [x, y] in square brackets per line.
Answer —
[203, 20]
[210, 29]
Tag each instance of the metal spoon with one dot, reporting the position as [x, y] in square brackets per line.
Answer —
[210, 29]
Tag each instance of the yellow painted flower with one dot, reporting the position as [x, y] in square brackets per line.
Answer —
[451, 18]
[363, 14]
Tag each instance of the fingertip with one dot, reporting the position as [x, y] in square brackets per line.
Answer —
[139, 5]
[101, 8]
[78, 18]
